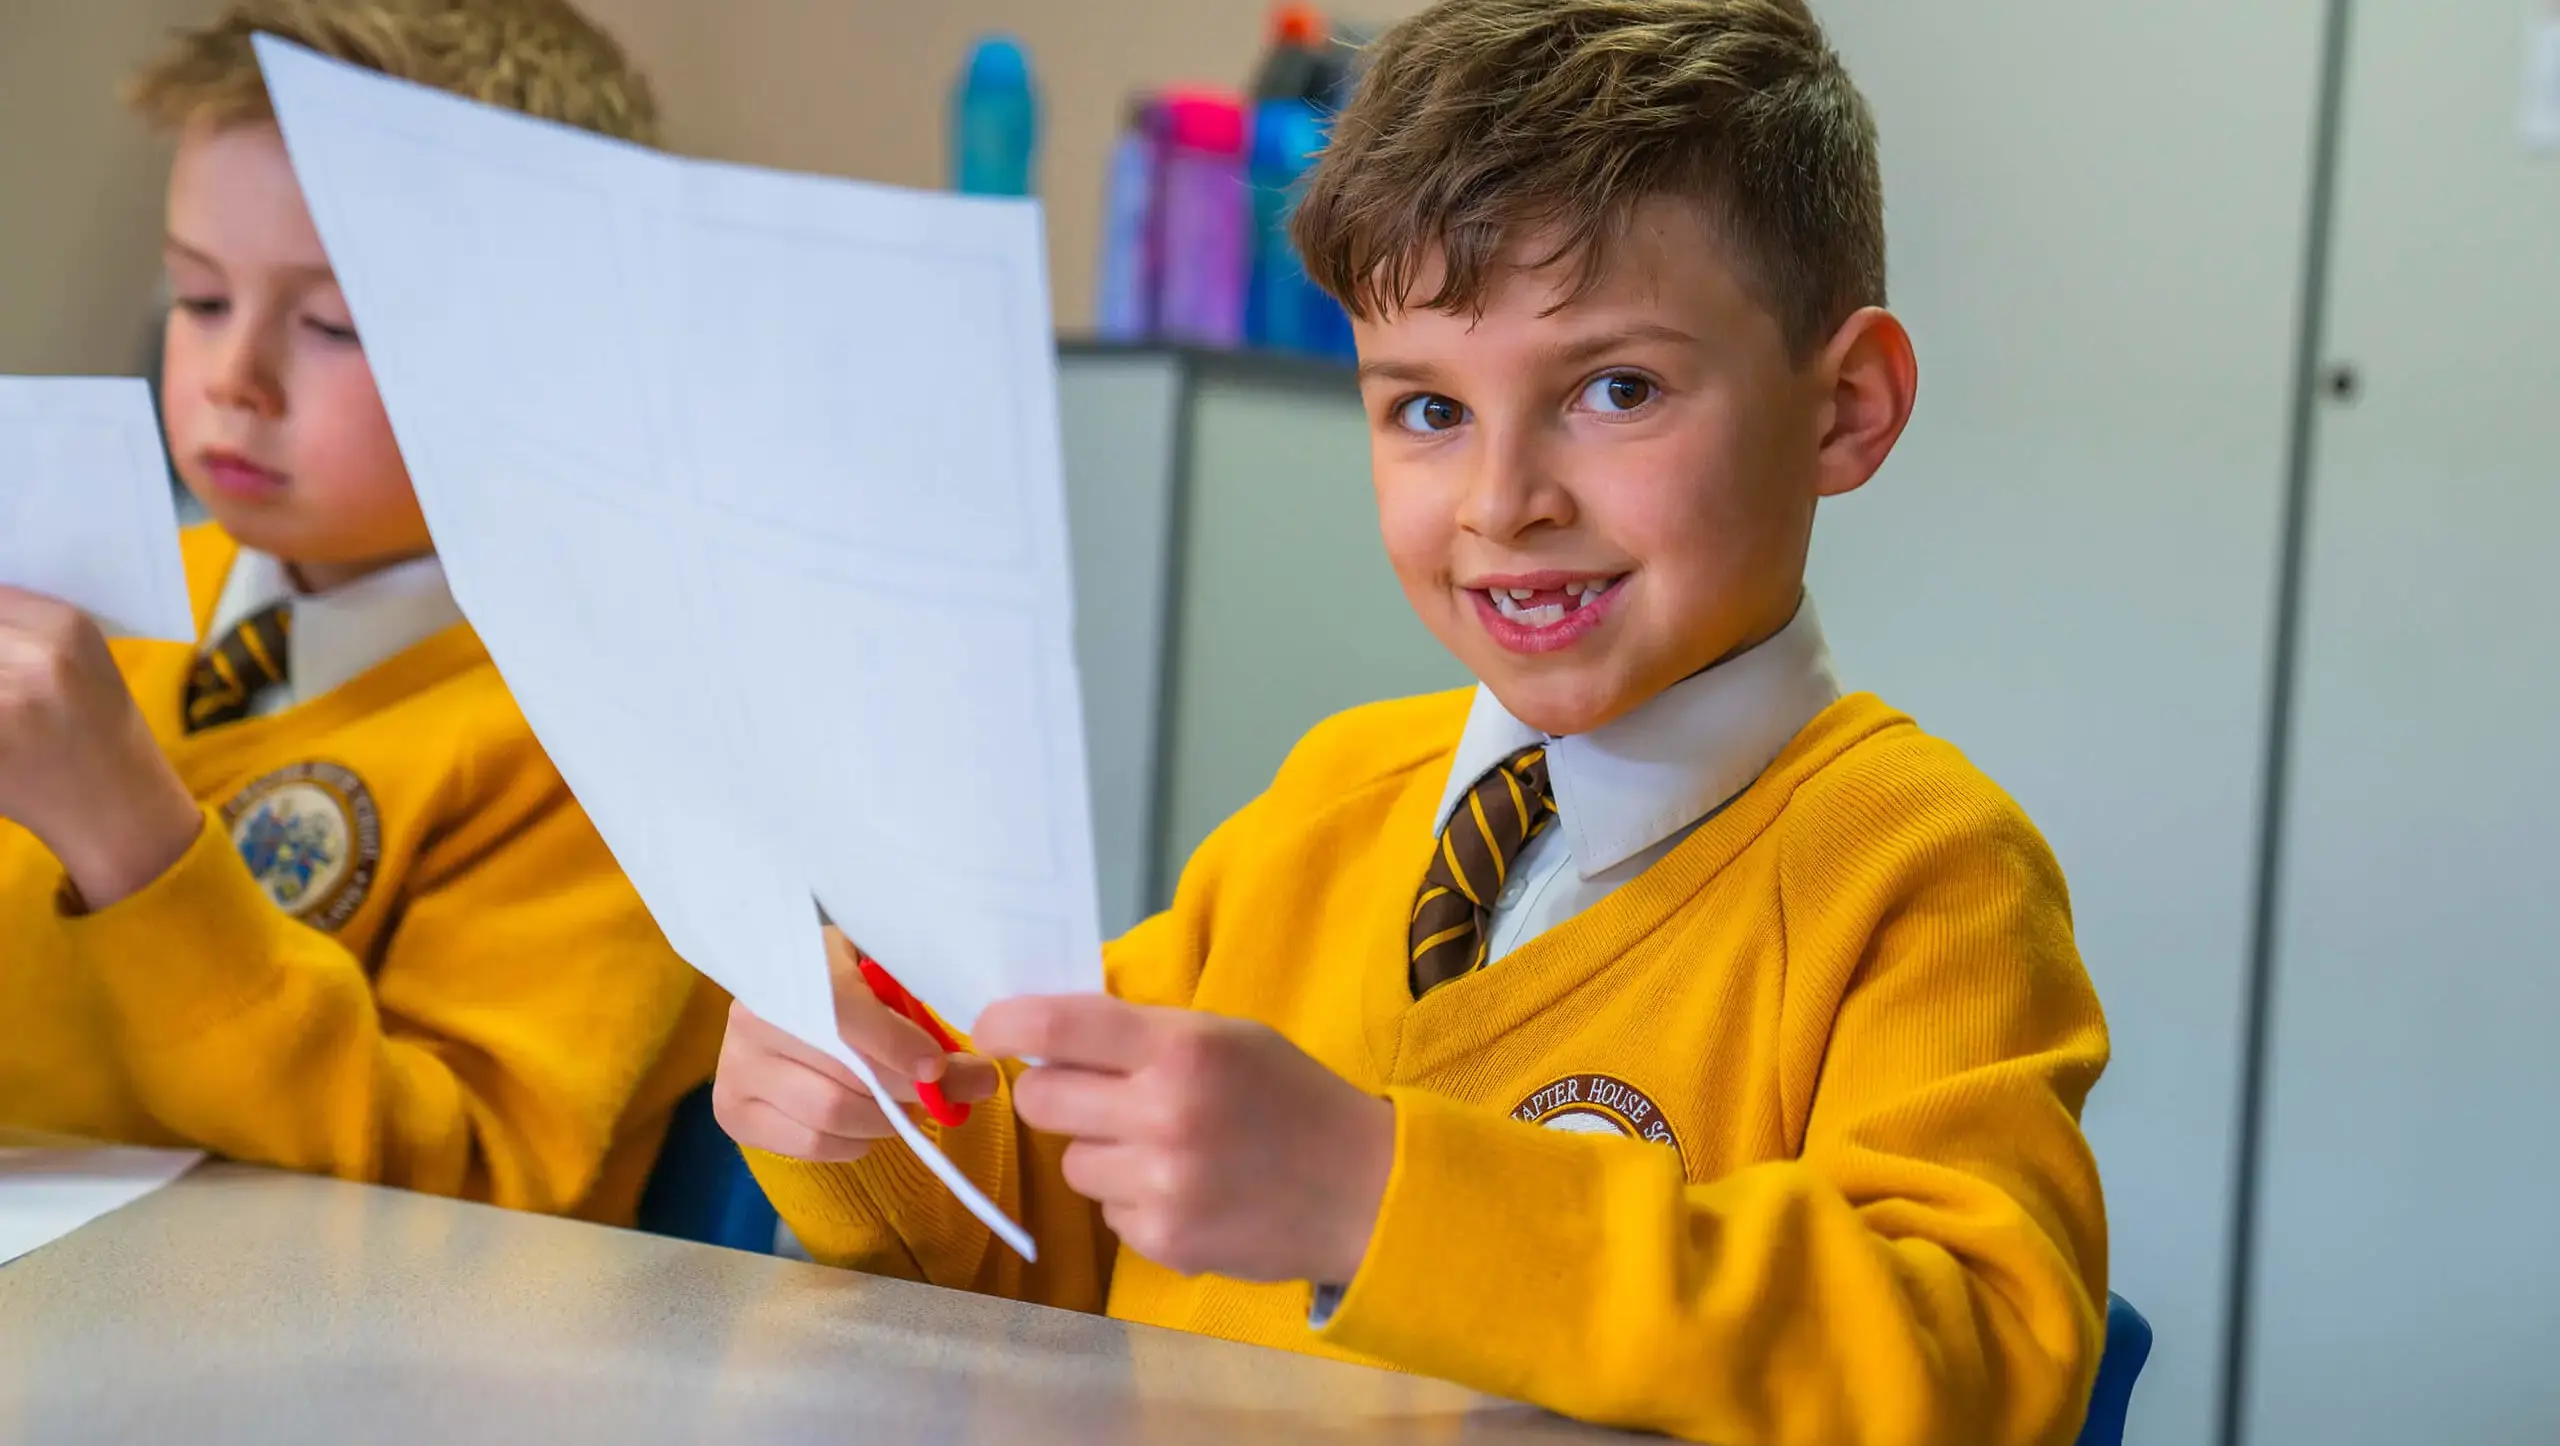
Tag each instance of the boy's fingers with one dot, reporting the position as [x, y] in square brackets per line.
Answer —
[757, 1037]
[809, 1098]
[1102, 1172]
[748, 1029]
[1080, 1102]
[758, 1125]
[872, 1027]
[966, 1079]
[1081, 1031]
[969, 1078]
[17, 605]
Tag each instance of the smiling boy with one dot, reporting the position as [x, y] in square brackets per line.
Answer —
[1655, 1034]
[311, 895]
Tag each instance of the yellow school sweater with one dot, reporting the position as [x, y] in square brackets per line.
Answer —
[397, 952]
[1778, 1142]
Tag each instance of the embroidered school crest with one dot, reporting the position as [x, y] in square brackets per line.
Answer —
[1597, 1104]
[311, 839]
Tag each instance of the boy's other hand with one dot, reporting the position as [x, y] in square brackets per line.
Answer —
[79, 769]
[781, 1096]
[1211, 1144]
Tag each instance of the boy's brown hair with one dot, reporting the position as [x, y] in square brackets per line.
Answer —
[540, 57]
[1481, 122]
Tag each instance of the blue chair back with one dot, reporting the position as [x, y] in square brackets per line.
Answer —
[2128, 1346]
[701, 1189]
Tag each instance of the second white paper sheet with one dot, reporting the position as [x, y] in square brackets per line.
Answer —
[750, 483]
[87, 514]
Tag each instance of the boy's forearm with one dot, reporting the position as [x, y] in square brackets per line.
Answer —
[456, 1071]
[128, 842]
[1585, 1275]
[887, 1214]
[833, 1215]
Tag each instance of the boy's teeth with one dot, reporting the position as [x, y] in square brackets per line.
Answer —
[1512, 602]
[1506, 601]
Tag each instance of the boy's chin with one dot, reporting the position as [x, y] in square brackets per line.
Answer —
[302, 539]
[1559, 702]
[276, 531]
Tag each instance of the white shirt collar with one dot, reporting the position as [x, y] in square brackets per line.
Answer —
[1623, 788]
[347, 630]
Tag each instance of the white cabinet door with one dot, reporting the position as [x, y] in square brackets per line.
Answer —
[2407, 1282]
[2098, 213]
[1119, 422]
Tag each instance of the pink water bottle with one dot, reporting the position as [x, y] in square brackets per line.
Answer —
[1202, 217]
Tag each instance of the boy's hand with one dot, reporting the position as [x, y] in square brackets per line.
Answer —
[78, 767]
[1211, 1144]
[785, 1098]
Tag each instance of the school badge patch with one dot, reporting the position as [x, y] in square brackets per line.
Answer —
[311, 838]
[1597, 1104]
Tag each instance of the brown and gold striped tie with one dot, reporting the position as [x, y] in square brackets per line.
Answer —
[248, 660]
[1505, 809]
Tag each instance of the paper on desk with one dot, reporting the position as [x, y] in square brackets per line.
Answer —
[86, 511]
[750, 483]
[46, 1193]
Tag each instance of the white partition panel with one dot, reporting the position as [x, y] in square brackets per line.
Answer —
[1118, 422]
[1290, 613]
[2097, 216]
[2407, 1281]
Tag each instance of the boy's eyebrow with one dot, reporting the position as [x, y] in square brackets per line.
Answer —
[1410, 373]
[172, 243]
[1608, 341]
[1579, 349]
[316, 272]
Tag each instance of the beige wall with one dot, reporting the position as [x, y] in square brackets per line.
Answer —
[79, 183]
[851, 87]
[860, 87]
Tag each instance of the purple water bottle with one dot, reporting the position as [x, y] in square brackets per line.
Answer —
[1124, 305]
[1202, 215]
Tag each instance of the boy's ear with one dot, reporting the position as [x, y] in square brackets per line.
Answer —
[1874, 378]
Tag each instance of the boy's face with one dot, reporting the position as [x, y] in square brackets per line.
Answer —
[268, 399]
[1641, 463]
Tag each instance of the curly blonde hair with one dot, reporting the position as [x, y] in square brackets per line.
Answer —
[540, 57]
[1479, 122]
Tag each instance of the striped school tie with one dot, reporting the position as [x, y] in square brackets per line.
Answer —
[1505, 809]
[249, 660]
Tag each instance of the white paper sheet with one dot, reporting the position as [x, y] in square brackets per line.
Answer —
[86, 511]
[47, 1193]
[750, 482]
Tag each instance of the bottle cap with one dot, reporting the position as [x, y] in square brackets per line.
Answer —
[1203, 120]
[998, 60]
[1299, 26]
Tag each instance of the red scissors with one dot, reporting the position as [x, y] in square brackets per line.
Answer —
[886, 988]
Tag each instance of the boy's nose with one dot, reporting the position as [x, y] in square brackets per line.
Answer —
[244, 378]
[1514, 485]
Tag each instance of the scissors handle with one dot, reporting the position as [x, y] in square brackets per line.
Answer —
[886, 988]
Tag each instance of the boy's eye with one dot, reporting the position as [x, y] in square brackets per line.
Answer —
[201, 305]
[1619, 392]
[330, 329]
[1429, 413]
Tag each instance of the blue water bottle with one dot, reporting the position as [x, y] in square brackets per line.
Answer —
[995, 121]
[1283, 307]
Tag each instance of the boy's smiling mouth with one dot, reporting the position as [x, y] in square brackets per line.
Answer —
[1543, 612]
